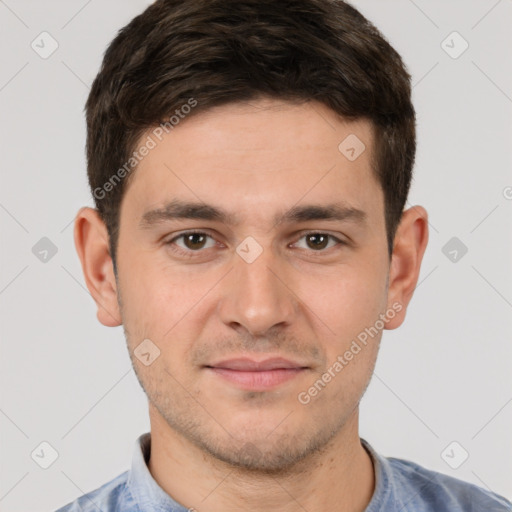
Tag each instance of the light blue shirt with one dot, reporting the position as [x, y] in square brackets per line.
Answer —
[400, 486]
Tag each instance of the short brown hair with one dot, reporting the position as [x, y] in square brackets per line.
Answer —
[222, 51]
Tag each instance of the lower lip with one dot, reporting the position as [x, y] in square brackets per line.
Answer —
[261, 380]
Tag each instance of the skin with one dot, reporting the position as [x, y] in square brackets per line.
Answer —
[216, 446]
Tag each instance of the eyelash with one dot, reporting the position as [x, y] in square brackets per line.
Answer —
[191, 253]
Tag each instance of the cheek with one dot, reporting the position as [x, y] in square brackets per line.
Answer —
[161, 302]
[346, 301]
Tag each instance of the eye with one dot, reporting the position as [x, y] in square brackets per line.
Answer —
[318, 241]
[193, 241]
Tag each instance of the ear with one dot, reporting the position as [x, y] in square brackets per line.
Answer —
[92, 246]
[409, 246]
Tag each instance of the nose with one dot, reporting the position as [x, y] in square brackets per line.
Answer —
[258, 295]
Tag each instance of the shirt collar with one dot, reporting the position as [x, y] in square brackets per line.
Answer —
[149, 496]
[383, 480]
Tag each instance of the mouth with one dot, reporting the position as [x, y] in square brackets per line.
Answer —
[253, 375]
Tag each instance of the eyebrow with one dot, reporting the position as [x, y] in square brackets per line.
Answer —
[178, 209]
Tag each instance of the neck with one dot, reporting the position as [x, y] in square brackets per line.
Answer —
[339, 477]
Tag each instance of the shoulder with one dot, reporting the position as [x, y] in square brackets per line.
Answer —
[111, 496]
[417, 486]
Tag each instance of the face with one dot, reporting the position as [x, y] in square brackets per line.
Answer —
[253, 255]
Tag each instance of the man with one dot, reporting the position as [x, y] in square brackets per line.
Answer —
[250, 162]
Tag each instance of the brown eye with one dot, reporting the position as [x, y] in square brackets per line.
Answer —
[317, 240]
[192, 241]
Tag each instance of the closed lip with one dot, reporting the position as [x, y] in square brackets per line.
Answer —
[251, 365]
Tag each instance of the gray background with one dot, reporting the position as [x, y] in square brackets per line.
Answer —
[444, 376]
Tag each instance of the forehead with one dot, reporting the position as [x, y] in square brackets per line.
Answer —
[252, 157]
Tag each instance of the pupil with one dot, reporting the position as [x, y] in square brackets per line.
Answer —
[321, 241]
[193, 242]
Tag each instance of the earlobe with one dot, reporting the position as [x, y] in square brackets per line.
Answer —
[409, 247]
[92, 246]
